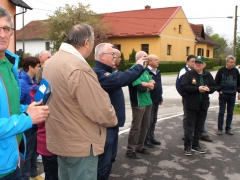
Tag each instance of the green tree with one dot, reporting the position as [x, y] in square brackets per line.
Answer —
[59, 24]
[122, 64]
[132, 56]
[220, 52]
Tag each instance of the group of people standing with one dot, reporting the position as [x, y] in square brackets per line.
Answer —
[194, 84]
[79, 139]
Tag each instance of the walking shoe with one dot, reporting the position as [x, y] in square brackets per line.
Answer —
[229, 132]
[143, 151]
[39, 158]
[206, 138]
[149, 145]
[37, 178]
[198, 149]
[219, 132]
[155, 142]
[132, 155]
[188, 151]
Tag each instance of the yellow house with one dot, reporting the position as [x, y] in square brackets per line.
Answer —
[165, 32]
[10, 5]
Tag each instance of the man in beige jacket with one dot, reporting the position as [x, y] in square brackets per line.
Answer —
[80, 109]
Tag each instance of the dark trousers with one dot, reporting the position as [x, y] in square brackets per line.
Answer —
[153, 120]
[204, 132]
[140, 124]
[50, 165]
[229, 100]
[194, 127]
[29, 166]
[106, 159]
[15, 175]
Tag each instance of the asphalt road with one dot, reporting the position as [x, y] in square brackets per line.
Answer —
[167, 161]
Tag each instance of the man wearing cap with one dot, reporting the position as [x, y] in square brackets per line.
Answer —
[228, 82]
[198, 84]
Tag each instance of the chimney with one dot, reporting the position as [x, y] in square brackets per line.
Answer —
[147, 7]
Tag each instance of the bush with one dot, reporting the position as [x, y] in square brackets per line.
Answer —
[217, 61]
[91, 63]
[122, 64]
[132, 56]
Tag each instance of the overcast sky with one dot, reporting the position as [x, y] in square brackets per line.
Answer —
[206, 12]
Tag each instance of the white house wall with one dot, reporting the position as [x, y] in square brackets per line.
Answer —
[33, 46]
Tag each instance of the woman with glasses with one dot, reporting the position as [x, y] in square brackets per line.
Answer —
[27, 78]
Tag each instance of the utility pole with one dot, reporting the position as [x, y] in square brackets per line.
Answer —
[235, 33]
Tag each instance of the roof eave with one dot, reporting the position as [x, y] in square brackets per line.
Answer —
[20, 3]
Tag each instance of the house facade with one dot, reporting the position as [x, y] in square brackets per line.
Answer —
[165, 32]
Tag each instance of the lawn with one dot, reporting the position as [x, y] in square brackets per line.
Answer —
[236, 109]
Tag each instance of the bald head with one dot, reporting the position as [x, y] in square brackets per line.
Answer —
[153, 61]
[140, 54]
[43, 56]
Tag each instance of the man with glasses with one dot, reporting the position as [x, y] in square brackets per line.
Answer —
[189, 65]
[112, 83]
[197, 83]
[228, 82]
[14, 118]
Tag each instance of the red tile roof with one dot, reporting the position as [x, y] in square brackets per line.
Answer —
[32, 31]
[146, 22]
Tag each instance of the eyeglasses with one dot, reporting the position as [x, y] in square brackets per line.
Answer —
[7, 29]
[112, 53]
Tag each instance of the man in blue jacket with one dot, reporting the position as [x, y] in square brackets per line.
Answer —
[112, 83]
[14, 118]
[156, 96]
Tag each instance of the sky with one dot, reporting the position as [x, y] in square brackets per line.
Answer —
[206, 12]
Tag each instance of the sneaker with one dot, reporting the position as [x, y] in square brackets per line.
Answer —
[143, 151]
[229, 132]
[219, 132]
[206, 138]
[37, 178]
[149, 145]
[132, 155]
[155, 142]
[198, 149]
[188, 151]
[39, 158]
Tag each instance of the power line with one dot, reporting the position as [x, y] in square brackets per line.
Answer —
[46, 3]
[43, 9]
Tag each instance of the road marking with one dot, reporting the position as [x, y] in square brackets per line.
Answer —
[179, 114]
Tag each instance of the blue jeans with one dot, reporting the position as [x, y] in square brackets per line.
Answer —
[106, 159]
[229, 100]
[16, 175]
[29, 166]
[50, 165]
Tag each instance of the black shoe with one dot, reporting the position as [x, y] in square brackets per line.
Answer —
[143, 151]
[149, 145]
[206, 138]
[132, 155]
[198, 149]
[229, 132]
[219, 132]
[155, 142]
[188, 151]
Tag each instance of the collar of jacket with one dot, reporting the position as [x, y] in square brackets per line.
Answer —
[103, 66]
[149, 70]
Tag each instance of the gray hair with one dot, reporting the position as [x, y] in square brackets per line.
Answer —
[78, 34]
[230, 57]
[101, 48]
[43, 52]
[5, 13]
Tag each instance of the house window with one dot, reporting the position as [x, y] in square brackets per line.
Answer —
[118, 46]
[208, 53]
[145, 47]
[187, 51]
[180, 29]
[47, 46]
[200, 52]
[169, 49]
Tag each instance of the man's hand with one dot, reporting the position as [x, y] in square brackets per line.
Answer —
[38, 112]
[239, 96]
[142, 61]
[160, 103]
[203, 89]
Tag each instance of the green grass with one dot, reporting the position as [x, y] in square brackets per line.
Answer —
[215, 68]
[236, 109]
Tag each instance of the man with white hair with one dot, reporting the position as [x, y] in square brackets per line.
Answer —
[43, 56]
[112, 83]
[228, 82]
